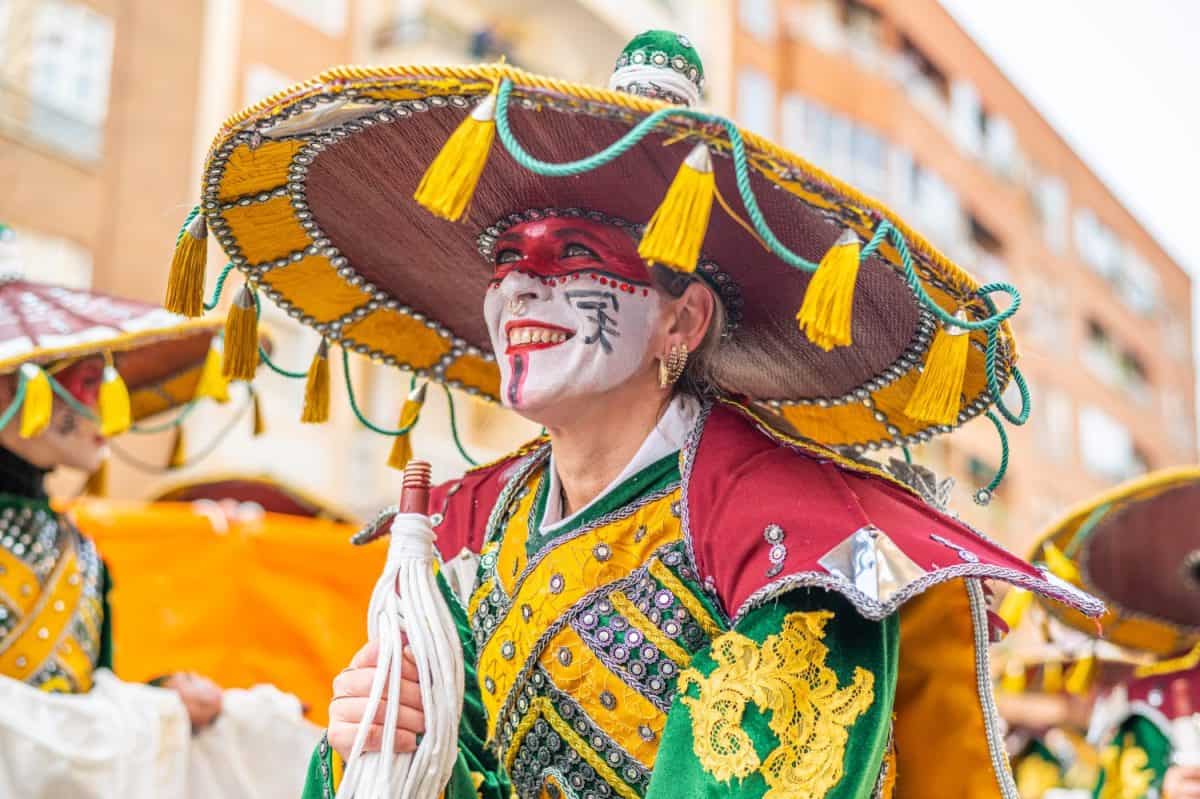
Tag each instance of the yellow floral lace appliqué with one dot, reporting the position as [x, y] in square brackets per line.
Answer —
[786, 676]
[1126, 771]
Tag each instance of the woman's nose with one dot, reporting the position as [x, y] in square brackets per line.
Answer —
[520, 287]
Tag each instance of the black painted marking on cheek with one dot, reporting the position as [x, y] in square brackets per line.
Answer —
[68, 424]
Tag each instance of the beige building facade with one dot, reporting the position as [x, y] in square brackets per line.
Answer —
[108, 106]
[893, 96]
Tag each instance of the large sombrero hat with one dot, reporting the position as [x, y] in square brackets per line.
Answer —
[1137, 547]
[270, 494]
[155, 361]
[843, 318]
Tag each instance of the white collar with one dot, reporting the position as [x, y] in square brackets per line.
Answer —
[668, 436]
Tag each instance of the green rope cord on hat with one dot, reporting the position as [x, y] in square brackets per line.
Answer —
[15, 405]
[367, 423]
[263, 356]
[186, 222]
[198, 455]
[984, 495]
[1085, 530]
[162, 427]
[454, 427]
[884, 228]
[219, 287]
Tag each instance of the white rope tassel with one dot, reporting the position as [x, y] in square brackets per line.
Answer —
[406, 599]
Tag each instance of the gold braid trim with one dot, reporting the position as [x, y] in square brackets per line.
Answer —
[686, 598]
[642, 624]
[810, 715]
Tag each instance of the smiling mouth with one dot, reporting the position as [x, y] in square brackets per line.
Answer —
[527, 336]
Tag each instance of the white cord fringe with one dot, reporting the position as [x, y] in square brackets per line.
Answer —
[406, 600]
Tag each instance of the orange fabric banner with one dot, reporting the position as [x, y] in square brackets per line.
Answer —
[276, 599]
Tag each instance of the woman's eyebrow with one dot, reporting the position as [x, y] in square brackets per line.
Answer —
[510, 238]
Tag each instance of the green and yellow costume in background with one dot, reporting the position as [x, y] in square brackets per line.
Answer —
[1132, 546]
[54, 622]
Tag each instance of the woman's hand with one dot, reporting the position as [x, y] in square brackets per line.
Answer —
[1182, 782]
[350, 691]
[201, 697]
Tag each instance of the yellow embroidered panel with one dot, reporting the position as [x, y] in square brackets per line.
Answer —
[41, 631]
[608, 701]
[566, 573]
[1127, 774]
[787, 677]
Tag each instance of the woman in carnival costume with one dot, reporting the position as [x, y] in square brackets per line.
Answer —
[77, 368]
[692, 585]
[1136, 546]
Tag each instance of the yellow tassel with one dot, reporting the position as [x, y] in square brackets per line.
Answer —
[185, 286]
[39, 401]
[316, 389]
[212, 382]
[241, 338]
[1059, 564]
[449, 182]
[178, 456]
[1013, 606]
[1081, 675]
[97, 482]
[402, 451]
[676, 231]
[1052, 677]
[260, 424]
[937, 397]
[1013, 681]
[113, 403]
[825, 314]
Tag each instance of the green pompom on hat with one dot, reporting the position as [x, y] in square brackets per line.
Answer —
[663, 65]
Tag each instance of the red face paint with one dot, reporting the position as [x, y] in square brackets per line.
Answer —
[558, 249]
[82, 380]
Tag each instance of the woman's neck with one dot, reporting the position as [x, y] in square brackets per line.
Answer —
[19, 477]
[599, 442]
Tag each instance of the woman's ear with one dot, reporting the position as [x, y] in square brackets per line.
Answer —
[693, 314]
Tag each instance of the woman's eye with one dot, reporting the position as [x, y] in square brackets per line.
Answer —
[578, 251]
[508, 257]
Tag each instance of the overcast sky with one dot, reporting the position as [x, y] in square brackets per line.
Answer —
[1121, 82]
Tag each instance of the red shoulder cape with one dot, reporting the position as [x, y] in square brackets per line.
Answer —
[764, 514]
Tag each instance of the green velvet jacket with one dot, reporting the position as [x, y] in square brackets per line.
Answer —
[644, 689]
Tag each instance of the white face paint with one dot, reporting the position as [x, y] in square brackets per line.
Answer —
[572, 312]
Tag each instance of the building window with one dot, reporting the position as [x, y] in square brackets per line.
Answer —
[1107, 447]
[48, 259]
[756, 102]
[58, 94]
[757, 17]
[1054, 422]
[1050, 205]
[328, 16]
[261, 81]
[927, 86]
[1113, 364]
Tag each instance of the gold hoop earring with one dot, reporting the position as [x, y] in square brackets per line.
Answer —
[670, 368]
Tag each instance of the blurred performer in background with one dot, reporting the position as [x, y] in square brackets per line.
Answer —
[677, 591]
[1138, 547]
[76, 369]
